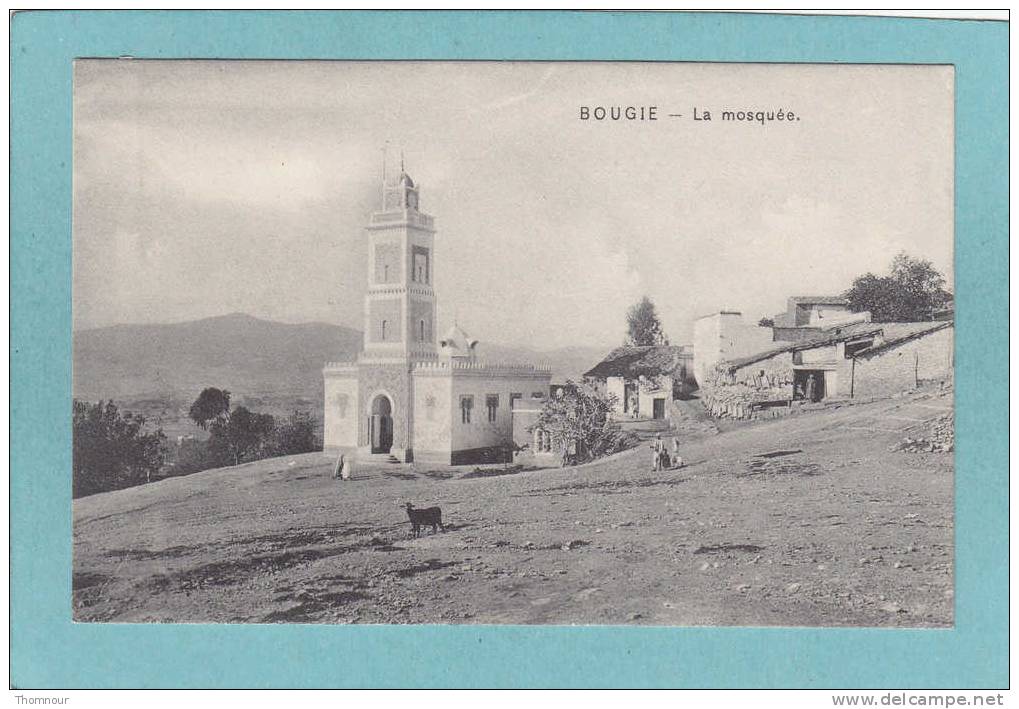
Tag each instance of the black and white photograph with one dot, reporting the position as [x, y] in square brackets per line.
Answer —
[533, 343]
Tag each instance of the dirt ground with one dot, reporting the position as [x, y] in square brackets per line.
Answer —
[805, 521]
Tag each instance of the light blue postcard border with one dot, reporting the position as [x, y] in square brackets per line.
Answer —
[48, 651]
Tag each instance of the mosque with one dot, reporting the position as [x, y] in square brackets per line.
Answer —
[408, 396]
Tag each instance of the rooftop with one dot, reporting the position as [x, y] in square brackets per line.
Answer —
[896, 333]
[819, 300]
[635, 361]
[836, 334]
[892, 333]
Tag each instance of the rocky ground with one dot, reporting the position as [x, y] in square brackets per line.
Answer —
[809, 520]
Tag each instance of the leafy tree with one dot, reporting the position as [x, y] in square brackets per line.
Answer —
[241, 436]
[766, 322]
[578, 422]
[295, 435]
[211, 405]
[911, 292]
[194, 456]
[111, 451]
[643, 326]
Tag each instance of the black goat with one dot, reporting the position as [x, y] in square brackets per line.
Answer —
[423, 518]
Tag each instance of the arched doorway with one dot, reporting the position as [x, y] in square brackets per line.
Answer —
[380, 424]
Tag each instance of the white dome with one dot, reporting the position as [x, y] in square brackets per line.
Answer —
[457, 343]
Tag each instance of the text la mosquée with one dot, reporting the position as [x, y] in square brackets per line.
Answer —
[650, 113]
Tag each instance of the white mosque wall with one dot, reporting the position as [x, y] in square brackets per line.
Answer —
[480, 432]
[432, 416]
[339, 425]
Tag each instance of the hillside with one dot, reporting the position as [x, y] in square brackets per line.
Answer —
[244, 354]
[237, 352]
[804, 521]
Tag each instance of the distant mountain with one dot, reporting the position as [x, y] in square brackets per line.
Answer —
[237, 352]
[566, 362]
[246, 355]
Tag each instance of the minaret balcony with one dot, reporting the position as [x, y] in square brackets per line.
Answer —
[403, 216]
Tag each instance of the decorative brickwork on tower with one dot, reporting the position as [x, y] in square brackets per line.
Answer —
[405, 397]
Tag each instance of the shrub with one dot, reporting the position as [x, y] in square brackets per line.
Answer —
[111, 451]
[296, 435]
[578, 422]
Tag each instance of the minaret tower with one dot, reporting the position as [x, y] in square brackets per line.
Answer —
[399, 309]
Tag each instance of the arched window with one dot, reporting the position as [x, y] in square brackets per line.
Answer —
[421, 331]
[385, 326]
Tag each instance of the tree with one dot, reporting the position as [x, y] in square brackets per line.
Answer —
[911, 292]
[241, 436]
[295, 435]
[577, 420]
[211, 405]
[643, 326]
[766, 322]
[111, 451]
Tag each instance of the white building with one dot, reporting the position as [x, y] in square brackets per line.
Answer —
[723, 336]
[407, 396]
[645, 380]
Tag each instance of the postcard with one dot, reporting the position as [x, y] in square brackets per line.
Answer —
[494, 359]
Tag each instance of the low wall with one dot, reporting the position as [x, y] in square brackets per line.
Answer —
[900, 368]
[740, 394]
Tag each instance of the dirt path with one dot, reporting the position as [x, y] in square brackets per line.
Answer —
[808, 520]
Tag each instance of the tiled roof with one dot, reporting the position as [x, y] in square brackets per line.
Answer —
[836, 334]
[634, 361]
[819, 300]
[896, 333]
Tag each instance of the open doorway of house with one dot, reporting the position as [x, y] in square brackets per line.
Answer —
[808, 384]
[658, 408]
[629, 398]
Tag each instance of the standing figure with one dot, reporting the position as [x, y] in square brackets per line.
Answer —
[811, 392]
[341, 471]
[656, 453]
[677, 461]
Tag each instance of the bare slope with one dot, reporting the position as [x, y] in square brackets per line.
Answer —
[803, 521]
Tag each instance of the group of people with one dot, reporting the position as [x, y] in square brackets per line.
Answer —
[660, 458]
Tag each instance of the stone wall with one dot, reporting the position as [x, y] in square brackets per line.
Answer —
[899, 368]
[739, 394]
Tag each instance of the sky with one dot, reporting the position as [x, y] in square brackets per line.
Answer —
[203, 188]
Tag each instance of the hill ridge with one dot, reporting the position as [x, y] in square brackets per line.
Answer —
[245, 354]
